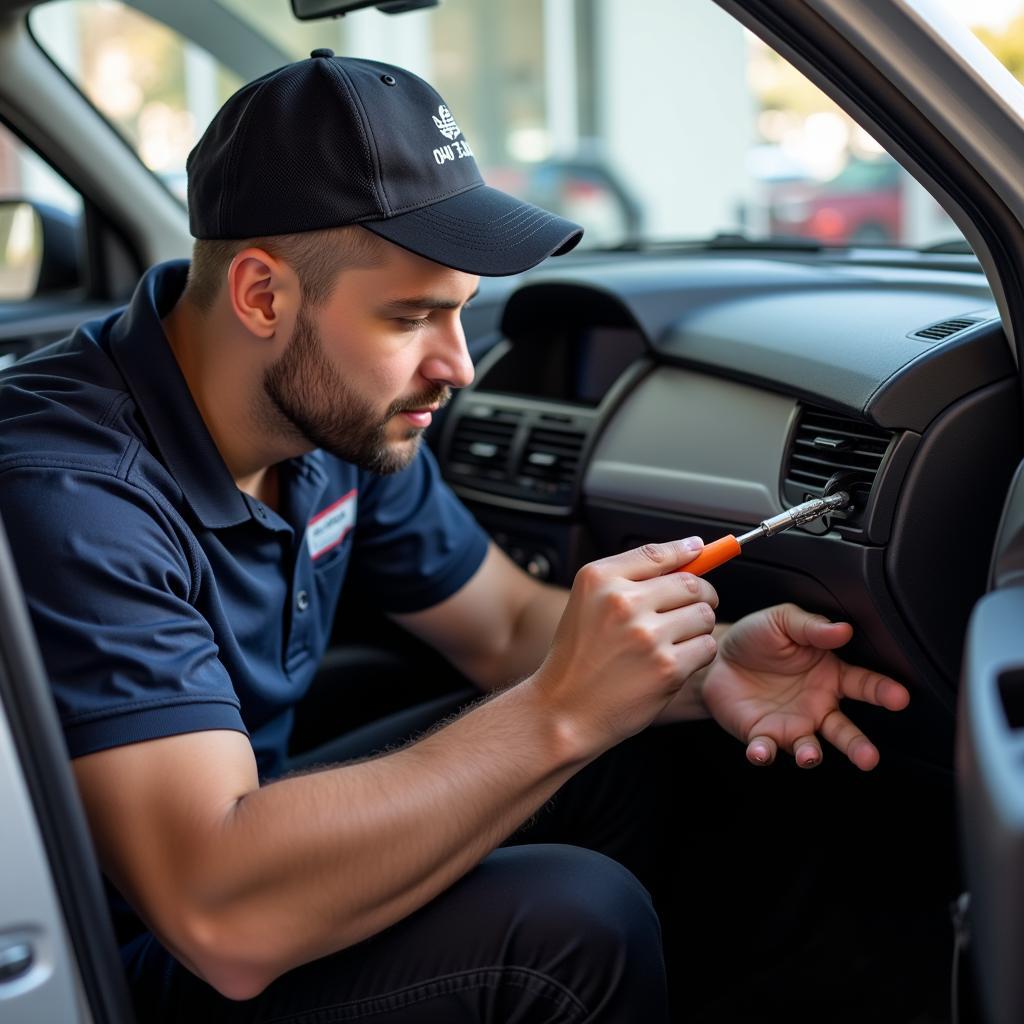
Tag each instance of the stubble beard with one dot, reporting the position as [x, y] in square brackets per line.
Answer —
[315, 404]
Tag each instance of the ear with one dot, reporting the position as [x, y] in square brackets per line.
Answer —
[263, 292]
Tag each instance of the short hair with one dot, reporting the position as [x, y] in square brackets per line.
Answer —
[317, 257]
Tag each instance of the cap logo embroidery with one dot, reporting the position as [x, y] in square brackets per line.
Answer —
[446, 123]
[457, 149]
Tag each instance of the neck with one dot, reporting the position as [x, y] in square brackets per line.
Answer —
[225, 379]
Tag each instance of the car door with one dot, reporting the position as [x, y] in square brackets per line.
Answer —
[58, 959]
[990, 766]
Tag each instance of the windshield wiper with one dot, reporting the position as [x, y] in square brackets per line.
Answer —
[956, 246]
[724, 240]
[734, 240]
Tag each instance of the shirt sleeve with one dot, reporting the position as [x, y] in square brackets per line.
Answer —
[108, 576]
[415, 543]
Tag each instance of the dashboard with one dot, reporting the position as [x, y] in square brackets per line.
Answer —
[629, 399]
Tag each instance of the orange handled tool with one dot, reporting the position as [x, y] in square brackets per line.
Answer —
[725, 548]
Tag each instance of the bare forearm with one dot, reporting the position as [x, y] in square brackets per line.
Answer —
[530, 640]
[498, 627]
[314, 863]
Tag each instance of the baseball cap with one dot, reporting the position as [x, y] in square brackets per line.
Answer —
[332, 141]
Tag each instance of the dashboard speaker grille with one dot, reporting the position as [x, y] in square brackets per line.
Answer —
[936, 332]
[826, 443]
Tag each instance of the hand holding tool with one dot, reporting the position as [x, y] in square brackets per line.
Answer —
[725, 548]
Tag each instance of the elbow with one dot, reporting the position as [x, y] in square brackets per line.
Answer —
[237, 985]
[241, 957]
[237, 982]
[238, 967]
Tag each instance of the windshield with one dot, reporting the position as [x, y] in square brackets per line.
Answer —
[694, 131]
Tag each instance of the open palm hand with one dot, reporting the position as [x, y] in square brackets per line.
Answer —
[777, 683]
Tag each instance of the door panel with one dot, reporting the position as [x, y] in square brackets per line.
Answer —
[56, 940]
[990, 769]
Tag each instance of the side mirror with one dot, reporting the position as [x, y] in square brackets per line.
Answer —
[40, 250]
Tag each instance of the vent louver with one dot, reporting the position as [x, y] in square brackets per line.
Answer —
[481, 445]
[826, 443]
[938, 331]
[550, 463]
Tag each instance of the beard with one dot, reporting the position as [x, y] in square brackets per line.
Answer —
[316, 405]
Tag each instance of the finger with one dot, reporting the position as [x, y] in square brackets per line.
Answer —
[807, 752]
[761, 750]
[862, 684]
[845, 736]
[682, 624]
[675, 590]
[811, 630]
[694, 654]
[650, 560]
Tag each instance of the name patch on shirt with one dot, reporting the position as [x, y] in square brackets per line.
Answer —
[329, 527]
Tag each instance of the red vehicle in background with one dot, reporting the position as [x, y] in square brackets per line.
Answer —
[862, 205]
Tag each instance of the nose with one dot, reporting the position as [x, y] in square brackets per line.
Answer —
[448, 361]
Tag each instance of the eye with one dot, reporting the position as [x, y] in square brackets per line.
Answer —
[413, 323]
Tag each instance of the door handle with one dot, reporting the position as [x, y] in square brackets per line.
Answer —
[15, 960]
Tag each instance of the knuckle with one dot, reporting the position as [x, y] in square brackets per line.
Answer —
[711, 595]
[588, 576]
[665, 666]
[690, 582]
[619, 605]
[641, 635]
[654, 552]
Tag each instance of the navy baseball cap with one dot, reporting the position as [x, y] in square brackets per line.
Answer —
[332, 141]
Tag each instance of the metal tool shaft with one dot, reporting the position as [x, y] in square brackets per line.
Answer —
[797, 516]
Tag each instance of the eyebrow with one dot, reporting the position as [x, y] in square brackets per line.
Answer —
[423, 302]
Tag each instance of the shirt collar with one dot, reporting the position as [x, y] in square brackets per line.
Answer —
[140, 349]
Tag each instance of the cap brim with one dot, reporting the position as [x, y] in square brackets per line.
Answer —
[481, 231]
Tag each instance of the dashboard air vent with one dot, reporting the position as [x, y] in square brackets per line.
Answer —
[481, 445]
[550, 463]
[826, 443]
[947, 327]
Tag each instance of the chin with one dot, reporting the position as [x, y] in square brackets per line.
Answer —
[397, 455]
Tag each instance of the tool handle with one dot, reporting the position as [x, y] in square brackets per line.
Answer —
[713, 555]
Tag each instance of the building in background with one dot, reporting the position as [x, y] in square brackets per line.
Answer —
[754, 148]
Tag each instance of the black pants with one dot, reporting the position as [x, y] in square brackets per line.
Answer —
[540, 931]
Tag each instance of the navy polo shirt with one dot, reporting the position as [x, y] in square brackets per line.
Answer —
[166, 600]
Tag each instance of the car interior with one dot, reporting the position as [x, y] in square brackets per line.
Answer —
[646, 391]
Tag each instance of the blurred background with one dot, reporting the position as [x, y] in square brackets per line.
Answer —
[555, 98]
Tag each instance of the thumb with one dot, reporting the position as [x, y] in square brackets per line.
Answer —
[650, 560]
[812, 630]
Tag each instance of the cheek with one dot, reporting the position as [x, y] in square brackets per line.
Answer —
[387, 379]
[386, 383]
[379, 365]
[367, 372]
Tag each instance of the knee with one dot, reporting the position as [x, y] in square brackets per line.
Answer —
[576, 892]
[582, 919]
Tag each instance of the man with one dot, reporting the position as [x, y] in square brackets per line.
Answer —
[202, 471]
